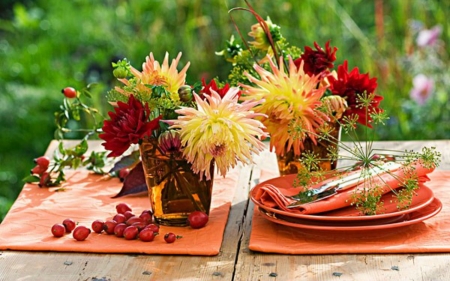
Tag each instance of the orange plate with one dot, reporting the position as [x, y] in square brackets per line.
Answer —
[412, 218]
[423, 197]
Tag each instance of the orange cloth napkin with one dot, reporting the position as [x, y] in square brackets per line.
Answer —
[87, 198]
[278, 196]
[431, 235]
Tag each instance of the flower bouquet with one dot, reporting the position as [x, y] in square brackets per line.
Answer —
[306, 101]
[183, 133]
[306, 104]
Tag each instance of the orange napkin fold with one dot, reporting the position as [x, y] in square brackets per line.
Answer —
[278, 196]
[429, 236]
[88, 197]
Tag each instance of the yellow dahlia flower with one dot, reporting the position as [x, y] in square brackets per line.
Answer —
[291, 104]
[261, 40]
[220, 130]
[158, 75]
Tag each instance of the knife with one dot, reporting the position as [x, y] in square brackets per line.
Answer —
[333, 187]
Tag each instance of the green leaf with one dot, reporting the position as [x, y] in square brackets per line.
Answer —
[76, 114]
[30, 179]
[61, 148]
[76, 162]
[81, 148]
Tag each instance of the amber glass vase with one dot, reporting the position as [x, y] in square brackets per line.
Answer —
[289, 163]
[174, 190]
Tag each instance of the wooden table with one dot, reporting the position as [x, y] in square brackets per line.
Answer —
[235, 261]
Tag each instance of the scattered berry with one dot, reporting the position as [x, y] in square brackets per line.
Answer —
[128, 214]
[147, 235]
[80, 233]
[139, 225]
[58, 230]
[119, 229]
[98, 226]
[197, 219]
[153, 227]
[109, 226]
[69, 224]
[124, 224]
[170, 237]
[134, 219]
[69, 92]
[121, 208]
[130, 232]
[119, 218]
[146, 216]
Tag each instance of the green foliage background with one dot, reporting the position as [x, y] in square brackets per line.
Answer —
[46, 45]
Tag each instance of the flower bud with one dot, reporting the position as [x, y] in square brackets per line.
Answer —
[170, 143]
[185, 93]
[120, 72]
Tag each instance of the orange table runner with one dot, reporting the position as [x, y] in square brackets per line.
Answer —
[431, 235]
[27, 226]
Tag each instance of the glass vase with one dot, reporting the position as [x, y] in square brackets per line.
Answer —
[174, 189]
[289, 163]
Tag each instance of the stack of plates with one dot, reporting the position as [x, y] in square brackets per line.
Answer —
[424, 206]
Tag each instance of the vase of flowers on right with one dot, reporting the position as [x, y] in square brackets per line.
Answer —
[290, 163]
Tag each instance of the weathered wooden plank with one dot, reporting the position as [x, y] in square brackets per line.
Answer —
[345, 267]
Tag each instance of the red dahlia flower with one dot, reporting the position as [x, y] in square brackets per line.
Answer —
[213, 86]
[317, 61]
[129, 123]
[349, 86]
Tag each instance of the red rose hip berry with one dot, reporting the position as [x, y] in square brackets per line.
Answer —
[109, 226]
[42, 161]
[131, 232]
[147, 216]
[80, 233]
[45, 180]
[197, 219]
[171, 237]
[147, 235]
[38, 170]
[121, 208]
[69, 92]
[119, 229]
[119, 218]
[69, 224]
[134, 219]
[128, 214]
[153, 227]
[98, 226]
[58, 230]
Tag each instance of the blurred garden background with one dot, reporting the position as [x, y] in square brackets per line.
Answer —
[46, 45]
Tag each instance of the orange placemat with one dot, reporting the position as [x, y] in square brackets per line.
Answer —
[431, 235]
[87, 198]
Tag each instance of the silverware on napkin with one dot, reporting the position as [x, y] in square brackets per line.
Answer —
[333, 187]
